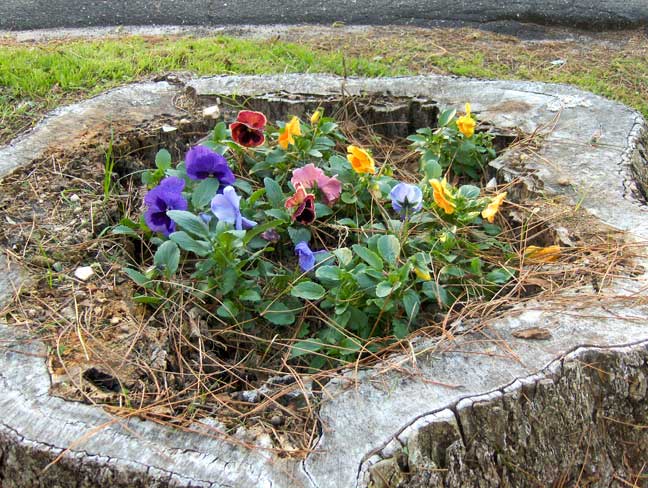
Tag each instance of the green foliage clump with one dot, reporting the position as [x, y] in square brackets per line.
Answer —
[325, 247]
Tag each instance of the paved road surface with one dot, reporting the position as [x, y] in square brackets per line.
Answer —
[591, 14]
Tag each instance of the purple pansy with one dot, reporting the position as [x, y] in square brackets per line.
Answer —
[307, 258]
[270, 235]
[202, 163]
[406, 198]
[166, 196]
[226, 207]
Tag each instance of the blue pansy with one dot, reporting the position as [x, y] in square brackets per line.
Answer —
[406, 198]
[307, 258]
[226, 208]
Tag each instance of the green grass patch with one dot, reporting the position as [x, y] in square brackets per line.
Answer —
[35, 78]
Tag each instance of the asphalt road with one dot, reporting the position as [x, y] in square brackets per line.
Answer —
[589, 14]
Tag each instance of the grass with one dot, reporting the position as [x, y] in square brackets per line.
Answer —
[109, 166]
[36, 77]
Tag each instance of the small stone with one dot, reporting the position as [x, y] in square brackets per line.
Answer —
[277, 420]
[83, 273]
[74, 197]
[563, 235]
[212, 112]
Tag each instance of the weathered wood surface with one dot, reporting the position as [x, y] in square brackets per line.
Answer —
[568, 408]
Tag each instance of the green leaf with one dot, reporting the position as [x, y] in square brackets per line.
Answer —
[411, 303]
[400, 329]
[419, 140]
[163, 159]
[148, 300]
[204, 192]
[328, 127]
[452, 270]
[250, 296]
[299, 234]
[278, 213]
[139, 278]
[189, 222]
[228, 310]
[491, 229]
[368, 256]
[305, 347]
[349, 345]
[244, 186]
[348, 222]
[469, 191]
[220, 132]
[279, 314]
[383, 289]
[187, 243]
[436, 292]
[330, 273]
[148, 178]
[476, 266]
[273, 192]
[389, 248]
[228, 281]
[275, 157]
[348, 197]
[499, 276]
[432, 169]
[167, 258]
[308, 290]
[446, 116]
[180, 171]
[343, 255]
[216, 147]
[124, 230]
[322, 210]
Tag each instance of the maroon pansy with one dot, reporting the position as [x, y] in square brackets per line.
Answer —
[247, 130]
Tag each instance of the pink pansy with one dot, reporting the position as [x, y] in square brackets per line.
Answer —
[310, 176]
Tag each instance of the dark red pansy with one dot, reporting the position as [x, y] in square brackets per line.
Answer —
[305, 213]
[247, 130]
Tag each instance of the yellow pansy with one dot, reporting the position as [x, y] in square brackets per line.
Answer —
[538, 254]
[361, 161]
[489, 212]
[316, 116]
[466, 124]
[291, 129]
[422, 274]
[441, 195]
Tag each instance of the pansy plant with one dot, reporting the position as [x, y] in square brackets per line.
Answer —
[265, 221]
